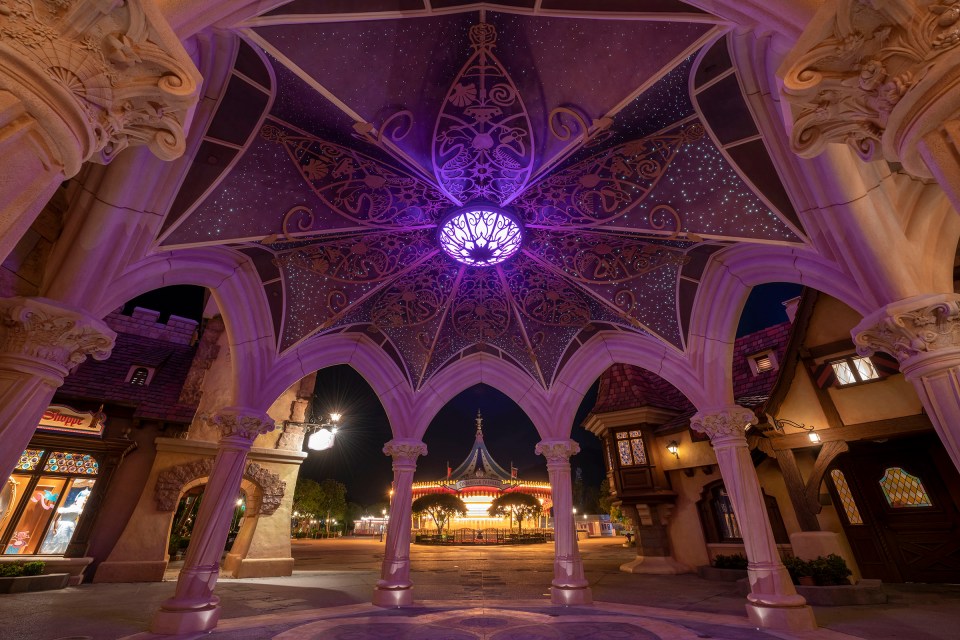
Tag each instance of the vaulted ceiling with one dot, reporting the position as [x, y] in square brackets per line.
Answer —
[618, 139]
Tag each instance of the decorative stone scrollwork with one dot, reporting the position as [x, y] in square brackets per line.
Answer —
[906, 332]
[852, 69]
[170, 483]
[405, 450]
[726, 425]
[127, 73]
[43, 329]
[557, 451]
[237, 422]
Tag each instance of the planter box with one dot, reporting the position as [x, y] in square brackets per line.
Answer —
[721, 575]
[46, 582]
[864, 592]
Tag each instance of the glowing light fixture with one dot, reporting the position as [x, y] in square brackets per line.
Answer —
[674, 448]
[480, 236]
[321, 439]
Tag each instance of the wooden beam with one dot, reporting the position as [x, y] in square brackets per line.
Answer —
[795, 487]
[863, 431]
[825, 458]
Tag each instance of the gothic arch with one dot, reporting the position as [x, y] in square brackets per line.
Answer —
[172, 481]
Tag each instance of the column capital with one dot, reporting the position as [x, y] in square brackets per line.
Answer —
[242, 422]
[911, 329]
[726, 425]
[404, 450]
[98, 76]
[557, 450]
[51, 332]
[876, 75]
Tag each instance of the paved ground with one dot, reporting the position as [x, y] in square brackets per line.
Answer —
[467, 592]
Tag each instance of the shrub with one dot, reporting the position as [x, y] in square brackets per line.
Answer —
[831, 570]
[17, 569]
[734, 561]
[826, 571]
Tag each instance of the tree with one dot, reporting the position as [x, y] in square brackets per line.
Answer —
[441, 507]
[517, 505]
[333, 499]
[605, 502]
[307, 497]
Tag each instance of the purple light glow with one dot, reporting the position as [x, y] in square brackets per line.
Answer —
[480, 237]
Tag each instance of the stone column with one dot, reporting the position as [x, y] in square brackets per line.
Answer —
[923, 333]
[773, 601]
[82, 81]
[40, 342]
[569, 585]
[194, 608]
[394, 588]
[883, 77]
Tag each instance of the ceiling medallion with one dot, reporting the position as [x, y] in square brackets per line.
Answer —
[480, 235]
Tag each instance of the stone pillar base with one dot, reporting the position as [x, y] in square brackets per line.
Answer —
[130, 571]
[655, 565]
[172, 623]
[391, 598]
[783, 618]
[567, 596]
[257, 567]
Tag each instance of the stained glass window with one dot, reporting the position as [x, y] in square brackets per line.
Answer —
[29, 460]
[67, 462]
[903, 490]
[846, 498]
[726, 519]
[631, 449]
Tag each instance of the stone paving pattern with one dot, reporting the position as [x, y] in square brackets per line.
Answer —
[479, 588]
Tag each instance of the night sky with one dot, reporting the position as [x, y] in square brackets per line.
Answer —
[356, 458]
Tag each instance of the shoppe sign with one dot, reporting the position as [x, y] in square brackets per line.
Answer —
[63, 419]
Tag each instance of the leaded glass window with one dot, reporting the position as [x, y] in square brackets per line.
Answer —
[68, 462]
[631, 449]
[29, 460]
[846, 497]
[903, 490]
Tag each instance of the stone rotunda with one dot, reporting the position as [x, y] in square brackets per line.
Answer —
[440, 194]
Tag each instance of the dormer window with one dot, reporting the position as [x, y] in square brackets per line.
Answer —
[763, 362]
[854, 370]
[140, 376]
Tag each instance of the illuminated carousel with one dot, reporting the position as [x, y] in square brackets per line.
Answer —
[466, 205]
[478, 481]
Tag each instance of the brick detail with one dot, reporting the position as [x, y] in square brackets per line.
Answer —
[143, 322]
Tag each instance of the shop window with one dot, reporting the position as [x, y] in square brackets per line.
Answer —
[29, 460]
[140, 376]
[631, 449]
[39, 511]
[854, 370]
[846, 497]
[720, 523]
[903, 490]
[763, 362]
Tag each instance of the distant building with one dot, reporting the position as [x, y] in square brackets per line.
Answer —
[478, 481]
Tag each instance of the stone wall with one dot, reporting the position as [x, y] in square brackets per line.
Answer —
[145, 322]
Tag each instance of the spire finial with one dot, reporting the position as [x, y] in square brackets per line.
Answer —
[479, 423]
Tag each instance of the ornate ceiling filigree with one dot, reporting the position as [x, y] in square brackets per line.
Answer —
[608, 184]
[483, 147]
[352, 218]
[355, 185]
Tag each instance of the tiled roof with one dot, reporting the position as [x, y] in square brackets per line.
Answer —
[627, 387]
[106, 381]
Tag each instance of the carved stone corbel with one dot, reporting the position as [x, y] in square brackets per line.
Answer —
[878, 75]
[98, 76]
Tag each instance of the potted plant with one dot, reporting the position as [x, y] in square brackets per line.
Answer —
[801, 571]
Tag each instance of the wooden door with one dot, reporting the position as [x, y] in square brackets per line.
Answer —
[907, 492]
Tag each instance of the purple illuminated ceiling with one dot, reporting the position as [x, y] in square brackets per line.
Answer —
[578, 131]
